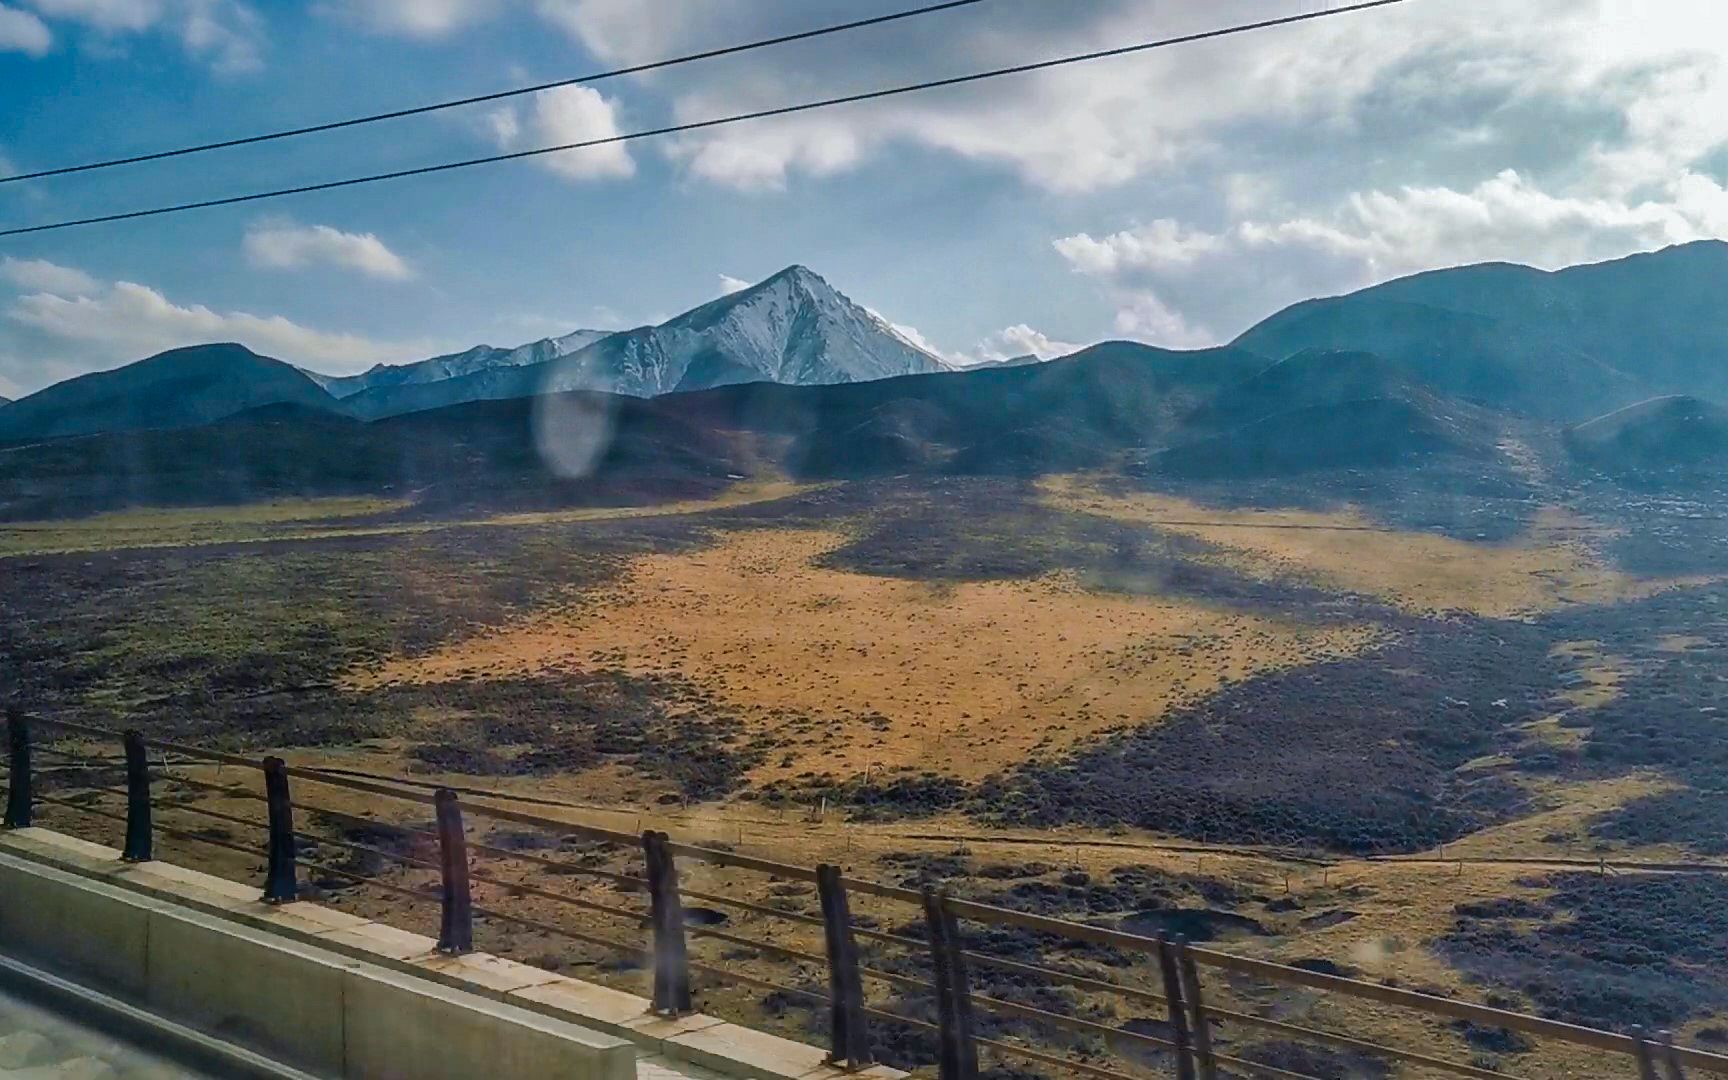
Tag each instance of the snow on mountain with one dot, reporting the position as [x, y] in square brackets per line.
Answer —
[793, 328]
[456, 365]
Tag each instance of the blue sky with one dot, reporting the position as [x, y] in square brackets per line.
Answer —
[1172, 198]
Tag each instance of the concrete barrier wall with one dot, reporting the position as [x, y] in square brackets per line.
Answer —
[315, 1008]
[666, 1047]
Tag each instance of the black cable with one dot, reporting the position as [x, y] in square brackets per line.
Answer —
[784, 110]
[417, 110]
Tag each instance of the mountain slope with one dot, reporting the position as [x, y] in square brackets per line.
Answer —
[1370, 433]
[1656, 315]
[455, 365]
[1061, 414]
[1495, 363]
[1660, 434]
[1312, 377]
[178, 388]
[1565, 345]
[793, 328]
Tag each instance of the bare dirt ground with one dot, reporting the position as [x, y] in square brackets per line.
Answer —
[1550, 566]
[963, 679]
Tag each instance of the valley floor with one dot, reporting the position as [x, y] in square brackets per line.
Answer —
[1400, 753]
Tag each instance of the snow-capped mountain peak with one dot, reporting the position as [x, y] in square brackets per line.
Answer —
[457, 365]
[792, 328]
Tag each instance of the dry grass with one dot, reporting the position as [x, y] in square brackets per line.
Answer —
[309, 519]
[186, 526]
[1548, 567]
[967, 679]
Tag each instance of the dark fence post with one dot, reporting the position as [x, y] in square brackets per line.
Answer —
[953, 990]
[138, 832]
[1670, 1057]
[1641, 1046]
[18, 781]
[456, 925]
[848, 1037]
[1197, 1020]
[1178, 1014]
[280, 885]
[671, 958]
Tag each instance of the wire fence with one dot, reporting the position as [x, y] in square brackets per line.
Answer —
[914, 989]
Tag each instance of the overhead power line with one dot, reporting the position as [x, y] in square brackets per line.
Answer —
[418, 110]
[699, 125]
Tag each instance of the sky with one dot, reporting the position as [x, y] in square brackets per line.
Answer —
[1175, 197]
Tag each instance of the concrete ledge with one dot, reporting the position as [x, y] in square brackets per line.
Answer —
[116, 1019]
[527, 998]
[84, 928]
[444, 1034]
[280, 996]
[274, 987]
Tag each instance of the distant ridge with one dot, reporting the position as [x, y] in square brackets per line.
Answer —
[1676, 432]
[456, 365]
[794, 328]
[1563, 345]
[178, 388]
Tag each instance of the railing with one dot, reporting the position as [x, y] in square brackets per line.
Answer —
[1189, 1045]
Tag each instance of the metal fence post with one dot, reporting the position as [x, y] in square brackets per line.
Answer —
[671, 958]
[848, 1037]
[456, 924]
[18, 781]
[1197, 1020]
[1178, 1014]
[280, 884]
[953, 990]
[138, 832]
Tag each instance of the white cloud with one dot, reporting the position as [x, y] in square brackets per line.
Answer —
[1013, 342]
[504, 126]
[226, 33]
[912, 336]
[287, 246]
[125, 320]
[1162, 244]
[564, 115]
[1451, 75]
[1023, 340]
[1144, 316]
[1377, 235]
[1006, 344]
[1067, 130]
[730, 284]
[1459, 76]
[44, 276]
[763, 162]
[413, 18]
[23, 32]
[109, 15]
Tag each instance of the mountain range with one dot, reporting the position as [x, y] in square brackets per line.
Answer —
[792, 328]
[1483, 375]
[456, 365]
